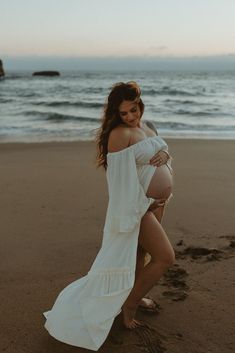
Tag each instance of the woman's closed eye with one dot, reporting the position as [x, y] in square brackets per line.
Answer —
[134, 110]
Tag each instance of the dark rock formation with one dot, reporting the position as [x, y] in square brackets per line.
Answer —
[46, 73]
[2, 73]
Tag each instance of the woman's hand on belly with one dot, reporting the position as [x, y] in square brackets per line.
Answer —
[156, 204]
[160, 158]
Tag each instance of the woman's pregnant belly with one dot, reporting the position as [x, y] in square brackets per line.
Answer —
[161, 183]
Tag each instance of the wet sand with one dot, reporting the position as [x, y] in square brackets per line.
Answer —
[53, 204]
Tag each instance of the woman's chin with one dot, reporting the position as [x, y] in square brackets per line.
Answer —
[134, 122]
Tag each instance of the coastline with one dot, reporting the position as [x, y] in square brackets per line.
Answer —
[53, 205]
[90, 140]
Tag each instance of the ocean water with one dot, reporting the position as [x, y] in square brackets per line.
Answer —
[69, 107]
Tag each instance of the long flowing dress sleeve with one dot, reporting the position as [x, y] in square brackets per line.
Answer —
[127, 199]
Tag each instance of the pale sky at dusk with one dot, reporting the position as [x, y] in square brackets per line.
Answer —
[117, 28]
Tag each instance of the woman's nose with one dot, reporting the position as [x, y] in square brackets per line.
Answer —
[130, 116]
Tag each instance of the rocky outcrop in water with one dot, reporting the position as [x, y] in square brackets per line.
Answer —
[46, 73]
[2, 73]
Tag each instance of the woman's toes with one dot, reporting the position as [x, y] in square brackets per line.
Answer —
[133, 324]
[128, 318]
[137, 323]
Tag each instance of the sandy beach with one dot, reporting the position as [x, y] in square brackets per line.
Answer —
[53, 204]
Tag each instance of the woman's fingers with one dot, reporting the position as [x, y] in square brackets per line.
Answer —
[158, 159]
[157, 203]
[156, 162]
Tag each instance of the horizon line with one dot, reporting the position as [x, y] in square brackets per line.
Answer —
[229, 55]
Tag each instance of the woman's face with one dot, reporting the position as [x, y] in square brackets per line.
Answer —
[130, 113]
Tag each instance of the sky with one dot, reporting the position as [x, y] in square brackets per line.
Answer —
[117, 28]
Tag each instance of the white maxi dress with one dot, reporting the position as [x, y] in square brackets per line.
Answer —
[84, 311]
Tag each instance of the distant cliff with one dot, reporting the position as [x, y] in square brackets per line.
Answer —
[2, 73]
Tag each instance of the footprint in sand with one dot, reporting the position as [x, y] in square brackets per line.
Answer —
[201, 254]
[146, 338]
[150, 340]
[175, 295]
[232, 244]
[175, 280]
[230, 247]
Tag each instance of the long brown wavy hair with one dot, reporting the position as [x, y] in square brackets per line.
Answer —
[120, 91]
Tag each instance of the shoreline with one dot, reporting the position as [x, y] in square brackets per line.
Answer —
[171, 138]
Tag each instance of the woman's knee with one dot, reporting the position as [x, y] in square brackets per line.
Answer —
[167, 258]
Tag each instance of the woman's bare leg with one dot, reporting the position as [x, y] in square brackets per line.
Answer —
[158, 213]
[143, 258]
[141, 253]
[152, 239]
[140, 260]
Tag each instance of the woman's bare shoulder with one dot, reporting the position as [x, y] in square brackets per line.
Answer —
[119, 138]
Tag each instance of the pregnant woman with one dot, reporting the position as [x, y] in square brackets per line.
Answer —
[139, 179]
[156, 180]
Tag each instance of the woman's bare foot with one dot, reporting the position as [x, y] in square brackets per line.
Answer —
[128, 318]
[147, 303]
